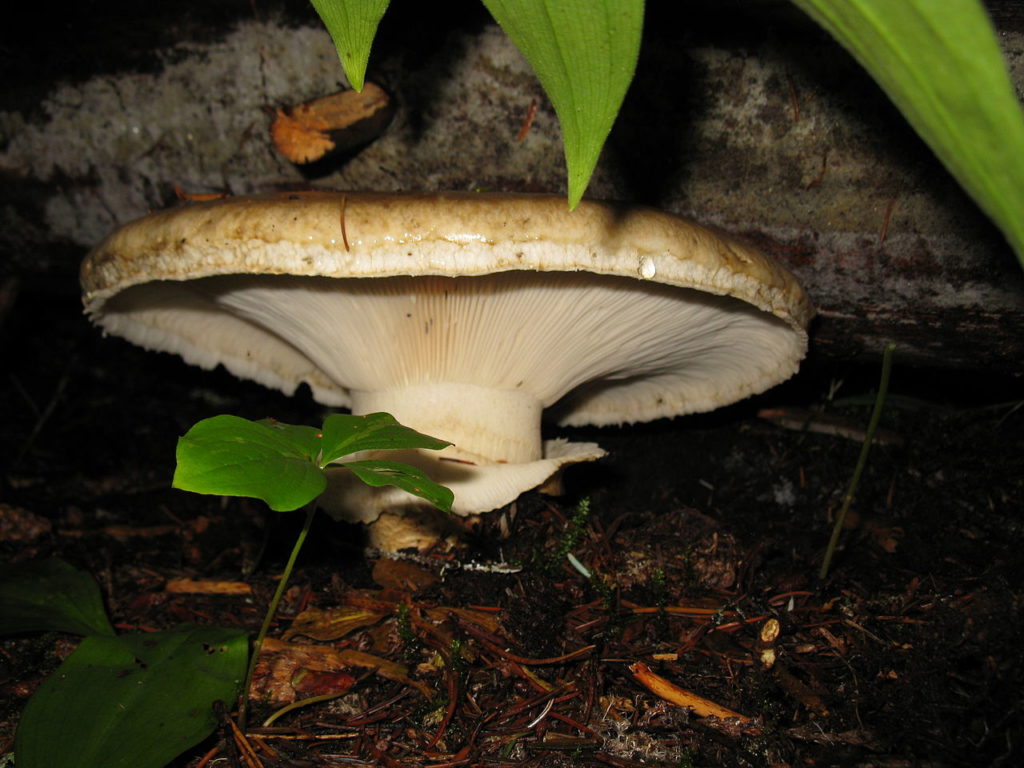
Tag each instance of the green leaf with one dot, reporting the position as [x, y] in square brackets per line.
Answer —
[352, 24]
[584, 53]
[306, 440]
[344, 434]
[51, 595]
[135, 701]
[408, 478]
[283, 464]
[941, 65]
[231, 456]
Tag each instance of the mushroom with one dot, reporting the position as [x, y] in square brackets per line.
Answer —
[466, 316]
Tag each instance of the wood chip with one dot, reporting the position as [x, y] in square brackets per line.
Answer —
[199, 587]
[700, 706]
[336, 123]
[802, 419]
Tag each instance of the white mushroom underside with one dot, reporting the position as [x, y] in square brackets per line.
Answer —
[639, 350]
[473, 360]
[542, 335]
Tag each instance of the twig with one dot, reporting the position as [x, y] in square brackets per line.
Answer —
[876, 413]
[452, 682]
[248, 754]
[661, 687]
[870, 634]
[524, 128]
[484, 640]
[344, 230]
[227, 734]
[885, 220]
[205, 759]
[569, 721]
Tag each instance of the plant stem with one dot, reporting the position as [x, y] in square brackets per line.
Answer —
[271, 611]
[876, 413]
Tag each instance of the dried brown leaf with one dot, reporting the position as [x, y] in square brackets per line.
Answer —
[331, 624]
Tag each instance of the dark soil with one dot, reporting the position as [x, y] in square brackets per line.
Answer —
[699, 532]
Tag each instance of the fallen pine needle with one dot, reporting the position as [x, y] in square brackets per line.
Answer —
[661, 687]
[247, 753]
[198, 197]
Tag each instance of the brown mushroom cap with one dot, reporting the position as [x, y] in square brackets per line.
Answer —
[480, 310]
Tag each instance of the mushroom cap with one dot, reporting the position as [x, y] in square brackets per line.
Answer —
[127, 282]
[463, 315]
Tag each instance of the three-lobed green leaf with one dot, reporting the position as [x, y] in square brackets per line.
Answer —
[344, 434]
[134, 701]
[410, 479]
[941, 65]
[283, 464]
[231, 456]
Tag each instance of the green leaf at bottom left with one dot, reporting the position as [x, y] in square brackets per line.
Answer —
[135, 701]
[50, 595]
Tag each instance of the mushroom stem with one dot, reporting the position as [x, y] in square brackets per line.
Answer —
[496, 425]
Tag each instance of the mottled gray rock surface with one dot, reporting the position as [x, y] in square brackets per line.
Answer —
[749, 119]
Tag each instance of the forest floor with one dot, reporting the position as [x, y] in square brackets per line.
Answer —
[697, 544]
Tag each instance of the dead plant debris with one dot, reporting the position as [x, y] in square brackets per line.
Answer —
[698, 554]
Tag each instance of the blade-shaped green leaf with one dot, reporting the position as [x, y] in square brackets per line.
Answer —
[231, 456]
[584, 53]
[352, 24]
[51, 595]
[135, 701]
[409, 479]
[344, 434]
[941, 65]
